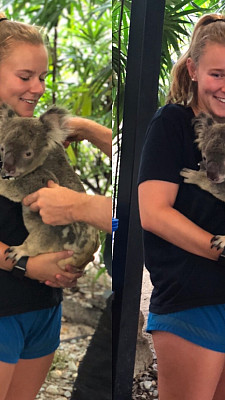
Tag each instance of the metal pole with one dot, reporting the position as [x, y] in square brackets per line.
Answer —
[143, 66]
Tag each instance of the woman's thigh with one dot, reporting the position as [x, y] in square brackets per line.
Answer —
[28, 377]
[6, 373]
[185, 370]
[220, 390]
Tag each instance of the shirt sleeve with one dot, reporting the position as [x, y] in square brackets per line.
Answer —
[162, 154]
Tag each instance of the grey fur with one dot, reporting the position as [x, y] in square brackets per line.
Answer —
[31, 154]
[211, 176]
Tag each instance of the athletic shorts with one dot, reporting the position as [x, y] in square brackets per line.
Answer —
[30, 335]
[204, 326]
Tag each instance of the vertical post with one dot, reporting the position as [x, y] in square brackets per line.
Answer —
[143, 66]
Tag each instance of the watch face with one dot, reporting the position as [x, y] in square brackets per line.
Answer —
[20, 268]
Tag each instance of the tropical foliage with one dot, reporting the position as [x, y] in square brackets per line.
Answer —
[179, 19]
[79, 41]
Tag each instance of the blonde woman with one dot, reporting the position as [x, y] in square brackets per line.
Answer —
[187, 308]
[30, 311]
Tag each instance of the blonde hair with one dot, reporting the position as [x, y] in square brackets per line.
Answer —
[12, 32]
[209, 28]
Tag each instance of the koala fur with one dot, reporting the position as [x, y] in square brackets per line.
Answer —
[31, 154]
[211, 176]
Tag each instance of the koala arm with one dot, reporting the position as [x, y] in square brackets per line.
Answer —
[159, 216]
[82, 128]
[200, 178]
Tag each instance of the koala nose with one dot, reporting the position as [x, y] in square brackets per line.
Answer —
[212, 170]
[9, 163]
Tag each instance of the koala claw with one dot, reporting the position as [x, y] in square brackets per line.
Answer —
[189, 175]
[184, 172]
[13, 253]
[8, 254]
[8, 258]
[218, 242]
[8, 250]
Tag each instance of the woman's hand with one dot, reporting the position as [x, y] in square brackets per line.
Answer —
[56, 204]
[82, 128]
[44, 268]
[63, 281]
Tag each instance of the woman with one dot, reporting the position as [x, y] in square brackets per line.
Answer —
[187, 309]
[30, 312]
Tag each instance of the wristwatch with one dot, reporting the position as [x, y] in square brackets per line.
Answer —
[20, 268]
[221, 259]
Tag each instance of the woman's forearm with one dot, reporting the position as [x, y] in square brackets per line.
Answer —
[95, 210]
[99, 135]
[174, 227]
[156, 201]
[59, 205]
[36, 267]
[6, 265]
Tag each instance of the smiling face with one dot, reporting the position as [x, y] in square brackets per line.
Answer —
[22, 76]
[210, 77]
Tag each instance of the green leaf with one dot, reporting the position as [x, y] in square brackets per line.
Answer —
[71, 155]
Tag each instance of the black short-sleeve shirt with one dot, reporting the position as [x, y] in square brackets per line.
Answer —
[19, 296]
[181, 280]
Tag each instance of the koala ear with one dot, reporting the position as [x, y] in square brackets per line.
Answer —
[202, 123]
[55, 119]
[6, 112]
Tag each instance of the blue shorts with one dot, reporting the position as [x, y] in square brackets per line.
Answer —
[204, 326]
[30, 335]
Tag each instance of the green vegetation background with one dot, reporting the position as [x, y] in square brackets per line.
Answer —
[79, 79]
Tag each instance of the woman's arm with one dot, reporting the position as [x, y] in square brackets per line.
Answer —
[43, 267]
[58, 205]
[6, 265]
[156, 200]
[100, 136]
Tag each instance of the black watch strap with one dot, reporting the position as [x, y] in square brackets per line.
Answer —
[20, 268]
[221, 259]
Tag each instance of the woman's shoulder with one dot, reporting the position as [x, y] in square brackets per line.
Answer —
[172, 111]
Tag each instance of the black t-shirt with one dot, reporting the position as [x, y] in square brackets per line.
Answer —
[181, 280]
[18, 296]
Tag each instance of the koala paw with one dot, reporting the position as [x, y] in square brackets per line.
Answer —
[14, 253]
[189, 175]
[218, 242]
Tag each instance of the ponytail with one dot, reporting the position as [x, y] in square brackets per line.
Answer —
[209, 28]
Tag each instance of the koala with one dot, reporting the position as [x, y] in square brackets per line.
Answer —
[211, 176]
[31, 154]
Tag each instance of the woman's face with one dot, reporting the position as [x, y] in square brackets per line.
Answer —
[22, 76]
[210, 77]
